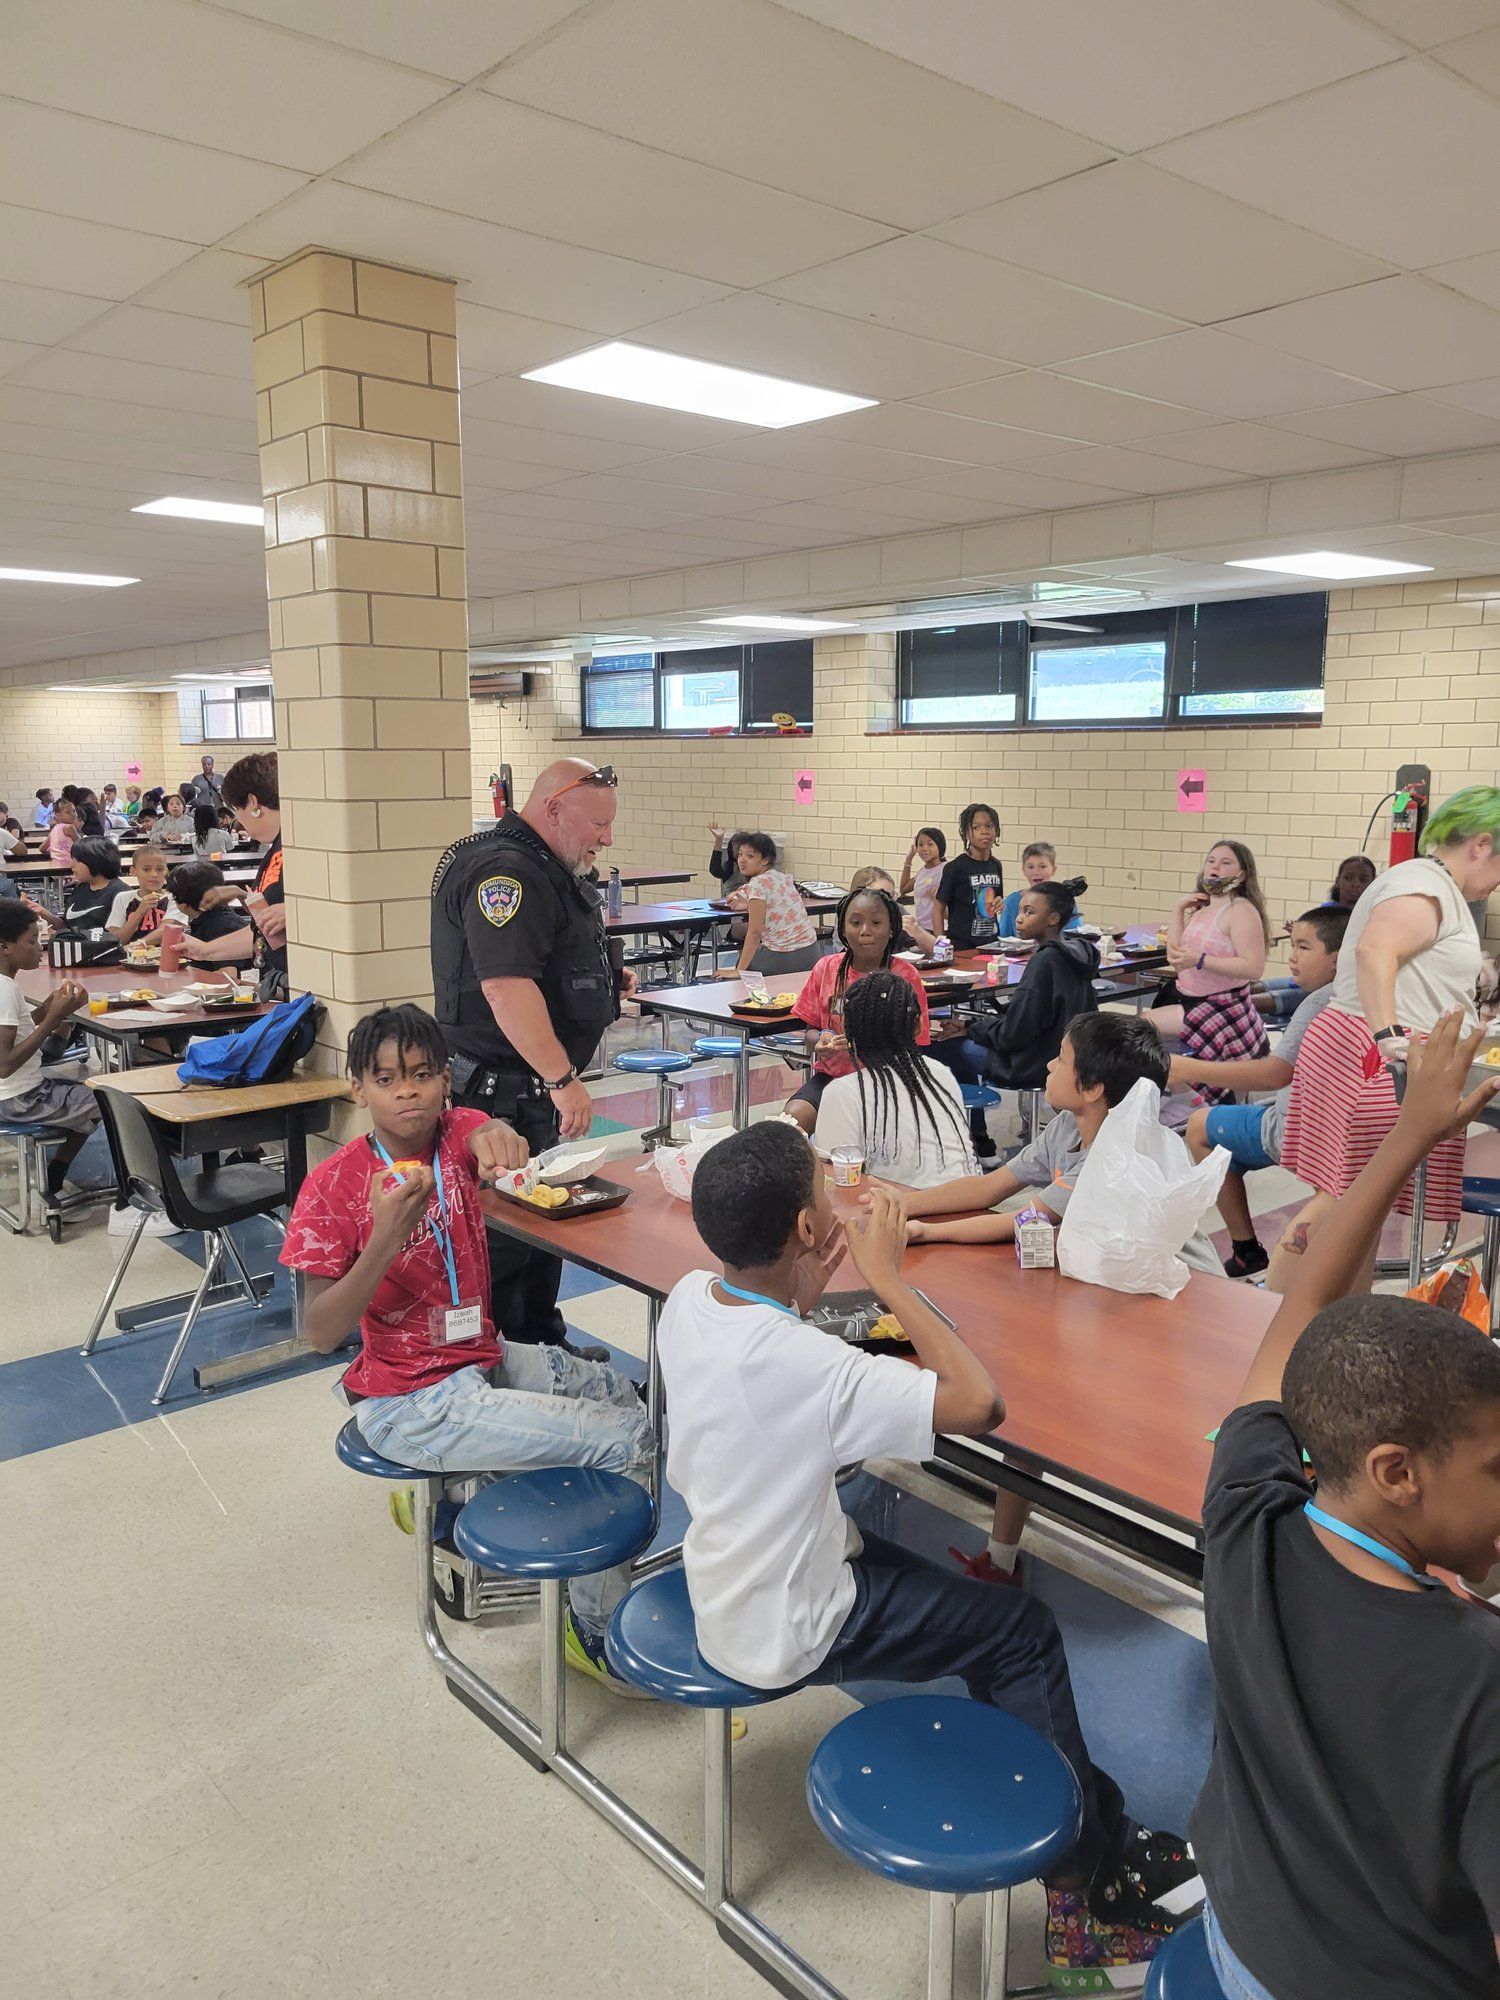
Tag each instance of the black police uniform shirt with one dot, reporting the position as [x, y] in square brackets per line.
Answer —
[505, 907]
[1349, 1827]
[971, 892]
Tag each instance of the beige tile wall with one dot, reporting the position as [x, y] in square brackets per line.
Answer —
[1413, 676]
[63, 739]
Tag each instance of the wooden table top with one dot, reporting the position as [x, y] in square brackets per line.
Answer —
[1112, 1391]
[107, 980]
[31, 871]
[187, 1104]
[684, 916]
[649, 878]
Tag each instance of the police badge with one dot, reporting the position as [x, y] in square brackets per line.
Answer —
[499, 899]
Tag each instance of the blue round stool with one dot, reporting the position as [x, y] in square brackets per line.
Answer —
[561, 1522]
[978, 1096]
[1482, 1197]
[444, 1579]
[952, 1797]
[664, 1065]
[34, 1144]
[734, 1049]
[652, 1642]
[357, 1455]
[1182, 1968]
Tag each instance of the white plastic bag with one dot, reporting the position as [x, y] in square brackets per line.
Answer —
[678, 1164]
[1137, 1200]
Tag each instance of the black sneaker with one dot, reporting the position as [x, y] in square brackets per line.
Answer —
[585, 1350]
[1246, 1259]
[1152, 1884]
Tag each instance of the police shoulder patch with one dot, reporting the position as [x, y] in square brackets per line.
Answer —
[499, 899]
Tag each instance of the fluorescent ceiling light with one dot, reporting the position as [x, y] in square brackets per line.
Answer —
[76, 577]
[206, 510]
[773, 624]
[1329, 564]
[677, 382]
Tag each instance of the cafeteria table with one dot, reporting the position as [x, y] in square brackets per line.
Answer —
[120, 1032]
[201, 1119]
[1109, 1396]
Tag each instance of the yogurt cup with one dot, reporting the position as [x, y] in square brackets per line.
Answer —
[848, 1164]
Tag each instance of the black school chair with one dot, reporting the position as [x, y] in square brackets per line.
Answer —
[207, 1203]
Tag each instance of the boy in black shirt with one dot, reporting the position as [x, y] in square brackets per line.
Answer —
[1349, 1827]
[188, 885]
[971, 889]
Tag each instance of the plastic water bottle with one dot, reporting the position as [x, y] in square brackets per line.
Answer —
[614, 898]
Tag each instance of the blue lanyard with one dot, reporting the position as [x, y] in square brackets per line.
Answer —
[441, 1234]
[1368, 1543]
[757, 1299]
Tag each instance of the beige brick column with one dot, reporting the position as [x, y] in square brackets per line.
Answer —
[356, 375]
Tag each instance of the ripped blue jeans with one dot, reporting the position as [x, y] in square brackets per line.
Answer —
[545, 1407]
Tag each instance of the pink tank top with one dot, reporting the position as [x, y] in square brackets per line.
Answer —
[1207, 931]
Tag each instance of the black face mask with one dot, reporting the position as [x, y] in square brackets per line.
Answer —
[1225, 887]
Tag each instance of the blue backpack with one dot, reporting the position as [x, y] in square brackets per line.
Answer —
[265, 1052]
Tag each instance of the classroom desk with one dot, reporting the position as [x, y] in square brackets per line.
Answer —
[1109, 1397]
[201, 1119]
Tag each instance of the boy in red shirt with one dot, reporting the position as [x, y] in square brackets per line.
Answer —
[389, 1232]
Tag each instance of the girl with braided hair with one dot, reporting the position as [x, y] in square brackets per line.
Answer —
[903, 1110]
[868, 925]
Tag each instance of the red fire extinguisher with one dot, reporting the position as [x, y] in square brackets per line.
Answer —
[1409, 810]
[500, 790]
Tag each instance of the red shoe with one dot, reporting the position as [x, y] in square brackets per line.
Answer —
[984, 1569]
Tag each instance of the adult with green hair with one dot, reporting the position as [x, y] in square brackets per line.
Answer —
[1410, 955]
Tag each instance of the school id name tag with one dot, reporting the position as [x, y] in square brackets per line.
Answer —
[452, 1324]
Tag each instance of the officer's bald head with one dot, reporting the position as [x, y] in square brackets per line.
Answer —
[573, 818]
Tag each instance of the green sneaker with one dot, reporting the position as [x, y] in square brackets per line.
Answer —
[400, 1499]
[585, 1655]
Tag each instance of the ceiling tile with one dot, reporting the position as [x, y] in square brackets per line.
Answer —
[911, 427]
[1476, 277]
[1483, 398]
[809, 448]
[1135, 233]
[273, 96]
[461, 39]
[703, 472]
[816, 517]
[1063, 408]
[516, 445]
[491, 342]
[544, 407]
[1476, 56]
[1399, 426]
[30, 405]
[172, 340]
[1153, 69]
[749, 87]
[494, 266]
[1255, 448]
[35, 313]
[121, 381]
[104, 173]
[1020, 487]
[1405, 333]
[916, 503]
[1401, 163]
[16, 354]
[1320, 500]
[921, 286]
[1435, 488]
[39, 248]
[777, 337]
[208, 286]
[507, 163]
[1124, 470]
[1213, 371]
[1424, 23]
[653, 497]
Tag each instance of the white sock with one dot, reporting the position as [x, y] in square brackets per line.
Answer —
[1004, 1555]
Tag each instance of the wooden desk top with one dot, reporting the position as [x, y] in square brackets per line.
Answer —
[187, 1104]
[711, 1001]
[684, 916]
[32, 871]
[1112, 1391]
[45, 979]
[653, 878]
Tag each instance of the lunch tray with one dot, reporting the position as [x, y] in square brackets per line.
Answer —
[594, 1196]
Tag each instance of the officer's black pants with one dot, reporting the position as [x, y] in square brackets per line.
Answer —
[523, 1282]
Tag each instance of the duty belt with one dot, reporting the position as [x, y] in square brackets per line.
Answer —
[475, 1079]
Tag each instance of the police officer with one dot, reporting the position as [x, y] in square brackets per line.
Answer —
[525, 987]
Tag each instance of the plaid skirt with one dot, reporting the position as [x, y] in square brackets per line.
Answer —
[1223, 1027]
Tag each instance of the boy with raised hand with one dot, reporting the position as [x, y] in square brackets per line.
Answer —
[1251, 1134]
[764, 1411]
[1349, 1828]
[390, 1236]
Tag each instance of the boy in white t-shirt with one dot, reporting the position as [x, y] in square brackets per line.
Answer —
[764, 1411]
[26, 1096]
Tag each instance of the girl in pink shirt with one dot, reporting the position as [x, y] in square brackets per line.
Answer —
[779, 934]
[869, 928]
[64, 831]
[1216, 948]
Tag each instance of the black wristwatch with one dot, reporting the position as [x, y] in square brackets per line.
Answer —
[569, 1075]
[1389, 1035]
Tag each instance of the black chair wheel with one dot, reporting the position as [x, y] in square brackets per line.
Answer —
[55, 1226]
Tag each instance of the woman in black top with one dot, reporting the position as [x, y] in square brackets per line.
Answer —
[96, 883]
[967, 904]
[252, 793]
